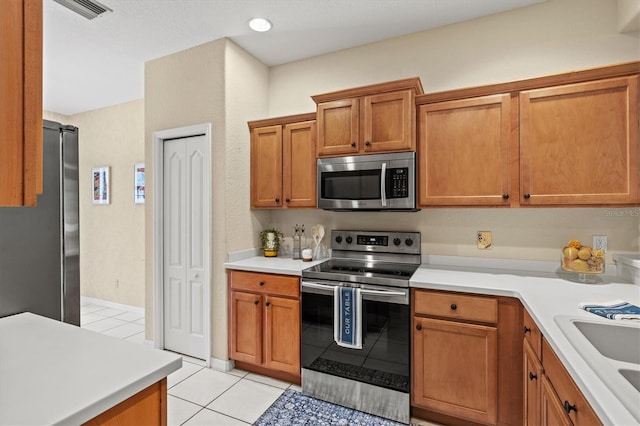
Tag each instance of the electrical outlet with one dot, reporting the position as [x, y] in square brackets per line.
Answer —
[484, 240]
[600, 242]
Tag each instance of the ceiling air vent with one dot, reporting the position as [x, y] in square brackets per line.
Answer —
[88, 8]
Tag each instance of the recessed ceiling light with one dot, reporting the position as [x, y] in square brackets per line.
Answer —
[260, 24]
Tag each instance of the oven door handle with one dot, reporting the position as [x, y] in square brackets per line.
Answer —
[382, 292]
[310, 284]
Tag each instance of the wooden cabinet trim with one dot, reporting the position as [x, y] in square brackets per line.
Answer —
[278, 121]
[551, 412]
[413, 83]
[598, 73]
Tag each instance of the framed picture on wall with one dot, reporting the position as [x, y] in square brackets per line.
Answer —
[100, 185]
[138, 183]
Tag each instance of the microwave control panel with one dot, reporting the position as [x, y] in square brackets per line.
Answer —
[399, 183]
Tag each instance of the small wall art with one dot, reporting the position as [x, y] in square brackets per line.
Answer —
[138, 183]
[100, 185]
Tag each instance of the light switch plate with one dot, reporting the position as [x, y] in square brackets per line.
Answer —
[484, 240]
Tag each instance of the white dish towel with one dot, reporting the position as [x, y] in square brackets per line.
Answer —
[347, 317]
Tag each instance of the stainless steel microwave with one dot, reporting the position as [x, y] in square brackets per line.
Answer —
[368, 182]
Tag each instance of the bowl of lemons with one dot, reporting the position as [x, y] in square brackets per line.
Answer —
[582, 259]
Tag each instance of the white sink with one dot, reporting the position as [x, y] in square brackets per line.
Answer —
[612, 350]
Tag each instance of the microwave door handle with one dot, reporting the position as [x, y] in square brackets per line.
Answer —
[383, 185]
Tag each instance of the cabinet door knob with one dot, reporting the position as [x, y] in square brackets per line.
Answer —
[353, 144]
[526, 329]
[454, 306]
[267, 304]
[287, 200]
[261, 283]
[532, 376]
[367, 143]
[527, 196]
[255, 302]
[568, 407]
[419, 327]
[505, 196]
[277, 200]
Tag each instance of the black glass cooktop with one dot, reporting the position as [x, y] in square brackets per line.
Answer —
[351, 270]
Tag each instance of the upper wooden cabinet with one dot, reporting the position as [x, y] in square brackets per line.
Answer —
[563, 140]
[21, 102]
[465, 151]
[579, 143]
[283, 162]
[370, 119]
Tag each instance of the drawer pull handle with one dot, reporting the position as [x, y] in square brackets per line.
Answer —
[568, 407]
[526, 329]
[454, 306]
[532, 376]
[261, 283]
[419, 327]
[255, 302]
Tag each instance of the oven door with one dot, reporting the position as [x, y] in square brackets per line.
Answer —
[384, 358]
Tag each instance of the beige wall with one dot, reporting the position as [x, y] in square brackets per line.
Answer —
[111, 236]
[551, 37]
[216, 83]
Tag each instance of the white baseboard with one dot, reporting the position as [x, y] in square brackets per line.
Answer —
[107, 304]
[224, 365]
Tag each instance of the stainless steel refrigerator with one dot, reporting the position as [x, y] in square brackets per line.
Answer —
[39, 246]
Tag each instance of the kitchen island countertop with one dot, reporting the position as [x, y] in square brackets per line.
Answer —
[57, 373]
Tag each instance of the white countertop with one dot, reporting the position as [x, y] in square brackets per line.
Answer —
[56, 373]
[543, 294]
[272, 265]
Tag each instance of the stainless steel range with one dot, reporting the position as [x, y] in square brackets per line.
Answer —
[356, 321]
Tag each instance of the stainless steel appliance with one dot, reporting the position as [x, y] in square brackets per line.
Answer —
[39, 246]
[368, 182]
[376, 378]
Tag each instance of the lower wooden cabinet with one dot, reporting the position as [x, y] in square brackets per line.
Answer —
[467, 358]
[147, 407]
[551, 397]
[533, 373]
[456, 369]
[264, 333]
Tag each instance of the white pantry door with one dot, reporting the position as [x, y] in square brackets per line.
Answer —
[186, 244]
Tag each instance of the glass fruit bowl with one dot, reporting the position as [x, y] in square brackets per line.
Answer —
[582, 260]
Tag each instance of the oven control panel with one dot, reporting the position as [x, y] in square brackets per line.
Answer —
[376, 241]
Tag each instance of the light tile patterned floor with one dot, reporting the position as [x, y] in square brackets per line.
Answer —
[197, 395]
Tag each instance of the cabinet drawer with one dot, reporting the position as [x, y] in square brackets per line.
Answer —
[457, 306]
[532, 334]
[580, 412]
[284, 285]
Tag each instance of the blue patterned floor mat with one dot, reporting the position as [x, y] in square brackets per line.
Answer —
[295, 409]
